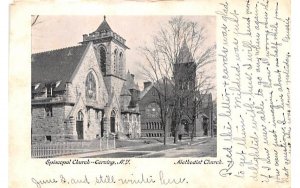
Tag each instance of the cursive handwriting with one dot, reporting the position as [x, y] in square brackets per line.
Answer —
[254, 112]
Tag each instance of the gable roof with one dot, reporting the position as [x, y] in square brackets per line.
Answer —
[159, 85]
[145, 91]
[56, 65]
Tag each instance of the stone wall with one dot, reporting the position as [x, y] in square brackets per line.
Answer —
[125, 100]
[110, 47]
[93, 127]
[61, 126]
[114, 85]
[50, 126]
[89, 64]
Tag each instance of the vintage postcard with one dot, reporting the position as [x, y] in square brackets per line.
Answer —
[155, 94]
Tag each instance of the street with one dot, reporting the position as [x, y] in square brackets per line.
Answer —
[200, 147]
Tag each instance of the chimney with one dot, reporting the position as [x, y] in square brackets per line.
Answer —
[147, 84]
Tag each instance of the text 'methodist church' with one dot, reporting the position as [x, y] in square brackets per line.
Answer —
[85, 92]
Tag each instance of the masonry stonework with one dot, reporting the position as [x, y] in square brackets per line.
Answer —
[73, 99]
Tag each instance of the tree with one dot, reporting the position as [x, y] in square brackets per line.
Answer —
[176, 42]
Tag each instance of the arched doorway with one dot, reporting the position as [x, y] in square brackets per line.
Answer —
[79, 125]
[113, 122]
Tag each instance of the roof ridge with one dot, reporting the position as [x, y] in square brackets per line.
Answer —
[54, 50]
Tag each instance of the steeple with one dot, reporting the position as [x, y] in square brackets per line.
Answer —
[103, 26]
[104, 33]
[185, 54]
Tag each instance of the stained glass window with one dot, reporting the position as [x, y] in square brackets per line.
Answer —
[90, 85]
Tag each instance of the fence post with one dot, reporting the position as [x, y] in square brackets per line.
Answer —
[100, 143]
[47, 151]
[107, 143]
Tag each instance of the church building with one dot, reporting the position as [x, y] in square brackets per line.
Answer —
[84, 92]
[193, 109]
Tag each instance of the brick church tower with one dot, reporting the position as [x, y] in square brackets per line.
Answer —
[185, 83]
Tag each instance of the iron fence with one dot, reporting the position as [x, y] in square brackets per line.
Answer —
[54, 149]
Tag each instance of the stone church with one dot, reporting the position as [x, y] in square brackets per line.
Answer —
[84, 92]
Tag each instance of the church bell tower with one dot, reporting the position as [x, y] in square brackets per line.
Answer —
[110, 50]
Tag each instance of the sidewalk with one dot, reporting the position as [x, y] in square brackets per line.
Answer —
[154, 149]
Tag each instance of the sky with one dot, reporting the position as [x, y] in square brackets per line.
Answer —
[54, 32]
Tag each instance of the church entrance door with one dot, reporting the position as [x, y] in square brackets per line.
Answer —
[79, 125]
[79, 129]
[102, 127]
[113, 122]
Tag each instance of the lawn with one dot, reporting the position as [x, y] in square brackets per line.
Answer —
[155, 148]
[137, 142]
[120, 155]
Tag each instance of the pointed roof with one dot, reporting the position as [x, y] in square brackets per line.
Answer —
[185, 54]
[103, 26]
[130, 81]
[104, 33]
[129, 84]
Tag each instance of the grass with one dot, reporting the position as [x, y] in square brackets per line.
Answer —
[156, 148]
[139, 142]
[155, 155]
[129, 143]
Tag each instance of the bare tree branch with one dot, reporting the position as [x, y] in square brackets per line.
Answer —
[164, 53]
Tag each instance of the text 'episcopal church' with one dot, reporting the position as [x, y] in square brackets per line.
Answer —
[84, 92]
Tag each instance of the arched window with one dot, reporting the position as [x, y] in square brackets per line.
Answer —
[90, 86]
[103, 59]
[79, 116]
[120, 67]
[115, 63]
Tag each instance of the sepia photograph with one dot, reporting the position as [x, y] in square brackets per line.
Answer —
[151, 94]
[123, 86]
